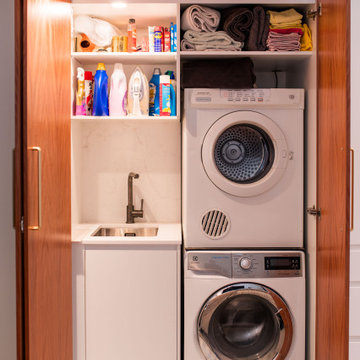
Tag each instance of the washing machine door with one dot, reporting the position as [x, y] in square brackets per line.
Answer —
[245, 321]
[244, 153]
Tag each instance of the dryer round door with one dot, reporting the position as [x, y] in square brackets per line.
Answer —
[245, 321]
[244, 153]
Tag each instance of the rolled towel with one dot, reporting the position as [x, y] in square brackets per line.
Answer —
[200, 18]
[259, 30]
[280, 18]
[236, 22]
[283, 42]
[218, 40]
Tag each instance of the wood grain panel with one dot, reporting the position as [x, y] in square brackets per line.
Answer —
[18, 178]
[47, 252]
[332, 310]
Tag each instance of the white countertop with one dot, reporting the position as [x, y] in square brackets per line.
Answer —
[168, 234]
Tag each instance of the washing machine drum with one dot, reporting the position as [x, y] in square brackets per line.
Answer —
[244, 153]
[245, 321]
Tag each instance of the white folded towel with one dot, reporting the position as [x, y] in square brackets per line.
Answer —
[200, 41]
[200, 18]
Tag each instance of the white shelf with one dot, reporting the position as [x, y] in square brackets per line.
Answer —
[125, 58]
[124, 118]
[262, 59]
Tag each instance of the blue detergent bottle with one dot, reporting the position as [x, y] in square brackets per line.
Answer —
[172, 92]
[154, 93]
[101, 97]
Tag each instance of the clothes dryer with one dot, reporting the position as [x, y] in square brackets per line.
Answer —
[242, 179]
[244, 305]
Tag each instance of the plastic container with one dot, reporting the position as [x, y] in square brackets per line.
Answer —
[172, 37]
[165, 97]
[101, 99]
[118, 92]
[88, 92]
[138, 94]
[172, 92]
[154, 93]
[131, 35]
[167, 40]
[151, 38]
[80, 94]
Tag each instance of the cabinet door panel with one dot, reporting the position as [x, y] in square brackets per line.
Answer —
[332, 310]
[45, 111]
[131, 303]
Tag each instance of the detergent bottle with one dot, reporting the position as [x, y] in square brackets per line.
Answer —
[101, 99]
[80, 94]
[172, 92]
[118, 92]
[154, 93]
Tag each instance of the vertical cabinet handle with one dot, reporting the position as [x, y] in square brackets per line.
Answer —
[38, 150]
[352, 151]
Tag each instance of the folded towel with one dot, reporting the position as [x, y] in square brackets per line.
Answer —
[259, 30]
[200, 18]
[288, 31]
[283, 42]
[236, 22]
[218, 40]
[284, 17]
[306, 42]
[234, 74]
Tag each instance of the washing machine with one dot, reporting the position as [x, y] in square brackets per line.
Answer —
[244, 305]
[242, 168]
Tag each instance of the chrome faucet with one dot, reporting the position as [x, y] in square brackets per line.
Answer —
[131, 213]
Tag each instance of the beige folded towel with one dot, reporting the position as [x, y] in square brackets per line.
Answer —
[200, 18]
[218, 40]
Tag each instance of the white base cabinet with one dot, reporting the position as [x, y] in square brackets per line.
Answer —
[131, 302]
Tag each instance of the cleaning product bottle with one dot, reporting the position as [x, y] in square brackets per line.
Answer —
[80, 94]
[154, 93]
[138, 94]
[101, 99]
[88, 92]
[131, 35]
[165, 95]
[172, 92]
[118, 92]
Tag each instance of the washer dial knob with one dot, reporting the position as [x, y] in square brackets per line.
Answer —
[245, 263]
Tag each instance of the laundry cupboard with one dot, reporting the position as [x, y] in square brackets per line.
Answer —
[59, 185]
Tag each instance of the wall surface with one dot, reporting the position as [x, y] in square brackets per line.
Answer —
[7, 235]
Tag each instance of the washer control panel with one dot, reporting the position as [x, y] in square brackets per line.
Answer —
[251, 264]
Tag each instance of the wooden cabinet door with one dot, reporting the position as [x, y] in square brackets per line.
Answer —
[332, 310]
[43, 158]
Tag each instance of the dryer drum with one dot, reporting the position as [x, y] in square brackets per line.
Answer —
[244, 153]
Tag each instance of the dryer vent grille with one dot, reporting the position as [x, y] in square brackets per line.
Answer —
[215, 224]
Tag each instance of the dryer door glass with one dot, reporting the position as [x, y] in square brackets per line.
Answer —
[244, 153]
[244, 323]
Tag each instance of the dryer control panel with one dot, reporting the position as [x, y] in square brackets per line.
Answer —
[246, 98]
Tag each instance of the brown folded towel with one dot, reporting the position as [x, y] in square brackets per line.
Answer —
[221, 74]
[259, 30]
[236, 22]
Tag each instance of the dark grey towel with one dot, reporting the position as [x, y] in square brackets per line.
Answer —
[236, 22]
[259, 30]
[221, 74]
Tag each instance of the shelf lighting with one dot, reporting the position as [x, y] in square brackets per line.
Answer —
[119, 5]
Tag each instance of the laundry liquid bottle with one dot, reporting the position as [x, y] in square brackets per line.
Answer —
[80, 94]
[101, 99]
[154, 93]
[118, 92]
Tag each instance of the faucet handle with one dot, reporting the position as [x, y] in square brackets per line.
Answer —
[142, 205]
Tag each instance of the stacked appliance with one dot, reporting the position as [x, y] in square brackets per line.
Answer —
[242, 193]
